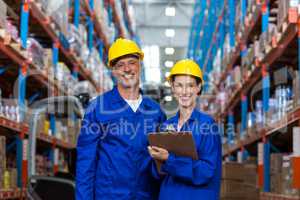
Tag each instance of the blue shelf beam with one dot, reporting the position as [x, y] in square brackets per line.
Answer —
[24, 24]
[76, 13]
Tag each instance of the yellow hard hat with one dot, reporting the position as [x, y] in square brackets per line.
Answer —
[186, 67]
[122, 47]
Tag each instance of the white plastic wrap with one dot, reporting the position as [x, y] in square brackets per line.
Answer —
[36, 52]
[58, 10]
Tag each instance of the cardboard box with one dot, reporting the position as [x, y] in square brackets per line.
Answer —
[287, 177]
[276, 163]
[232, 189]
[13, 177]
[276, 183]
[239, 172]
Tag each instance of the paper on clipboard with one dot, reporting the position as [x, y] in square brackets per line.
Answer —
[178, 143]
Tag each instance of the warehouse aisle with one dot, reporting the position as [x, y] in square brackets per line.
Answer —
[54, 60]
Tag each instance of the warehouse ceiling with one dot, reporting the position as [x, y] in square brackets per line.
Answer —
[154, 18]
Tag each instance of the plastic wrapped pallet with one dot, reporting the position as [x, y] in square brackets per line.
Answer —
[12, 30]
[36, 52]
[238, 18]
[75, 39]
[64, 76]
[48, 62]
[3, 13]
[273, 31]
[263, 41]
[257, 51]
[78, 39]
[58, 11]
[282, 14]
[287, 177]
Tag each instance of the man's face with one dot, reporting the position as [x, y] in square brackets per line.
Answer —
[127, 72]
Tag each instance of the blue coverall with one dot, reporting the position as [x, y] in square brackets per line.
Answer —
[112, 157]
[188, 179]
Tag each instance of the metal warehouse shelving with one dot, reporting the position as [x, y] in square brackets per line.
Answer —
[279, 50]
[15, 53]
[12, 194]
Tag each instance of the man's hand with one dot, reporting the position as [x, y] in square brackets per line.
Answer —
[157, 153]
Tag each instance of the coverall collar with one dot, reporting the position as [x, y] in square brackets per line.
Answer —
[118, 98]
[193, 116]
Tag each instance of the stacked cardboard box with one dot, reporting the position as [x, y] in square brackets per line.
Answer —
[282, 175]
[239, 181]
[276, 169]
[287, 177]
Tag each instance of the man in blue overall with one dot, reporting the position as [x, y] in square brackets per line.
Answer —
[112, 157]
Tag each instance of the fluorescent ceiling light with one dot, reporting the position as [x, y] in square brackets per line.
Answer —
[170, 11]
[168, 98]
[167, 84]
[169, 51]
[151, 62]
[169, 64]
[170, 32]
[167, 74]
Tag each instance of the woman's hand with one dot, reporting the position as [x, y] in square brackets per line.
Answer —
[157, 153]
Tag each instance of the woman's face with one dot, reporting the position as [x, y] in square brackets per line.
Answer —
[185, 90]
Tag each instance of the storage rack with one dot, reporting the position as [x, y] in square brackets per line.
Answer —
[32, 18]
[284, 46]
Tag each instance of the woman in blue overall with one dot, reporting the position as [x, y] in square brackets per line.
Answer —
[182, 177]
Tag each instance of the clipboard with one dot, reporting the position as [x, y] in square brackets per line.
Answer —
[178, 143]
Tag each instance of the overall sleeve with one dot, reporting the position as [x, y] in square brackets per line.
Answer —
[154, 172]
[201, 171]
[87, 155]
